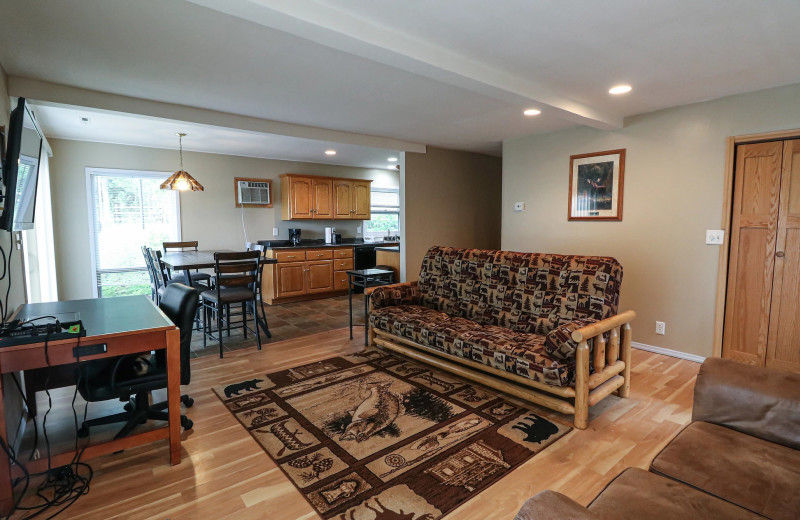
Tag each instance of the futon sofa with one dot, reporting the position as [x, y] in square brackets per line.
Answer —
[542, 327]
[738, 458]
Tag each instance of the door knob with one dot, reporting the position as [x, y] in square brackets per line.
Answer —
[779, 254]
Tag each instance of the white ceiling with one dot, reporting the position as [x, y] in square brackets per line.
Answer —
[451, 73]
[109, 127]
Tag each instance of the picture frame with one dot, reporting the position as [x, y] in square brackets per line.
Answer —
[596, 182]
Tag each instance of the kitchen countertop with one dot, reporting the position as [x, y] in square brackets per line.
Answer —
[389, 249]
[320, 243]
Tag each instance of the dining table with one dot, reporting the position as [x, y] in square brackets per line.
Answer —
[188, 261]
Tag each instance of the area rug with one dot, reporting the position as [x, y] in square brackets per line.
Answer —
[373, 436]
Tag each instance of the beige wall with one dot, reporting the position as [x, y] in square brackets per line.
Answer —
[209, 216]
[673, 192]
[451, 199]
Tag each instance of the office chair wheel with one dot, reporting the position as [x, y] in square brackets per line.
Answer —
[188, 402]
[83, 431]
[186, 423]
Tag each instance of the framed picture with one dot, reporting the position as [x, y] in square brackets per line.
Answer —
[595, 185]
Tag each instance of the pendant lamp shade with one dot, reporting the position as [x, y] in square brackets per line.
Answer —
[181, 180]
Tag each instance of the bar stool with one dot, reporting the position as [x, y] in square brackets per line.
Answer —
[365, 278]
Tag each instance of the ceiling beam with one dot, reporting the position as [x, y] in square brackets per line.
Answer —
[333, 28]
[55, 94]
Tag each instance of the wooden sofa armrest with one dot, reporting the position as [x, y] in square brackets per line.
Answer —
[551, 505]
[595, 329]
[758, 401]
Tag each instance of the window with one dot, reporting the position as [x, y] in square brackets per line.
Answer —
[385, 210]
[128, 210]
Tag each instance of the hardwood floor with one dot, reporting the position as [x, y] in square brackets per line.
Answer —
[225, 474]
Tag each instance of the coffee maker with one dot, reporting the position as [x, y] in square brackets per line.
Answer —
[294, 236]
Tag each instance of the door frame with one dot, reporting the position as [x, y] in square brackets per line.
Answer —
[727, 207]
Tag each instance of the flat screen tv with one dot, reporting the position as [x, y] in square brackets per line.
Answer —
[20, 169]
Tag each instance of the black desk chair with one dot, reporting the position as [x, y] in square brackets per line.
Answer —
[237, 280]
[116, 378]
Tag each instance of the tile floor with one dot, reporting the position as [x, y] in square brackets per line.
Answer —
[291, 320]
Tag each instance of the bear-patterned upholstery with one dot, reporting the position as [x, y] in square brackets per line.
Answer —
[498, 307]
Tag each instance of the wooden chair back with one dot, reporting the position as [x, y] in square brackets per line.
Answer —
[159, 270]
[180, 246]
[237, 269]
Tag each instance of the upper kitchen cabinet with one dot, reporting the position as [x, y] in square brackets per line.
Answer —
[322, 189]
[312, 197]
[361, 200]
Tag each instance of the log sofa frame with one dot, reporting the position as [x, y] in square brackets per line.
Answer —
[611, 361]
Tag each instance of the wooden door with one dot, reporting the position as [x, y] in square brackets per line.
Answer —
[342, 199]
[291, 279]
[322, 190]
[361, 200]
[783, 349]
[320, 276]
[300, 198]
[754, 231]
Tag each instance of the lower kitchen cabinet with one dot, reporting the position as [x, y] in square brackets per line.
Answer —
[306, 273]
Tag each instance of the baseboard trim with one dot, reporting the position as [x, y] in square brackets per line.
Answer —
[668, 352]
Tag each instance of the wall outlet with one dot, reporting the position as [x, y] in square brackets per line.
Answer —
[358, 230]
[661, 328]
[715, 237]
[519, 206]
[274, 231]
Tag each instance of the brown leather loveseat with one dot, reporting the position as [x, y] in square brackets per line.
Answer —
[738, 458]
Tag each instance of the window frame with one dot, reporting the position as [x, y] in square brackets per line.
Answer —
[90, 173]
[383, 212]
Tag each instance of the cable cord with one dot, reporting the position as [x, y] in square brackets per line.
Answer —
[63, 486]
[244, 228]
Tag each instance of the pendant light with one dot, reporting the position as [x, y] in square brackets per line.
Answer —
[181, 180]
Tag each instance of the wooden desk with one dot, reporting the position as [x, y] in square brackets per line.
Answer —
[127, 325]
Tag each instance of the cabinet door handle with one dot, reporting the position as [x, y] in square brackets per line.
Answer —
[321, 254]
[779, 254]
[290, 256]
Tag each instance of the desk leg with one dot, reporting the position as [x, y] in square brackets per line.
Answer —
[174, 394]
[350, 299]
[6, 490]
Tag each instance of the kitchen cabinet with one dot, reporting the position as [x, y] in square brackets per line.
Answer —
[361, 200]
[312, 197]
[322, 204]
[306, 273]
[291, 279]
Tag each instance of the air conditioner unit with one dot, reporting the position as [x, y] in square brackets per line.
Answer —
[253, 192]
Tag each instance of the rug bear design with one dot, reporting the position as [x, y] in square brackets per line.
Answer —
[235, 388]
[537, 430]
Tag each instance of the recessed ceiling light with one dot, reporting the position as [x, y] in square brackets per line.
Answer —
[620, 89]
[392, 159]
[532, 112]
[330, 152]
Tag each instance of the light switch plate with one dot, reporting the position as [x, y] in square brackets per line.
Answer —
[274, 231]
[358, 230]
[519, 206]
[715, 237]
